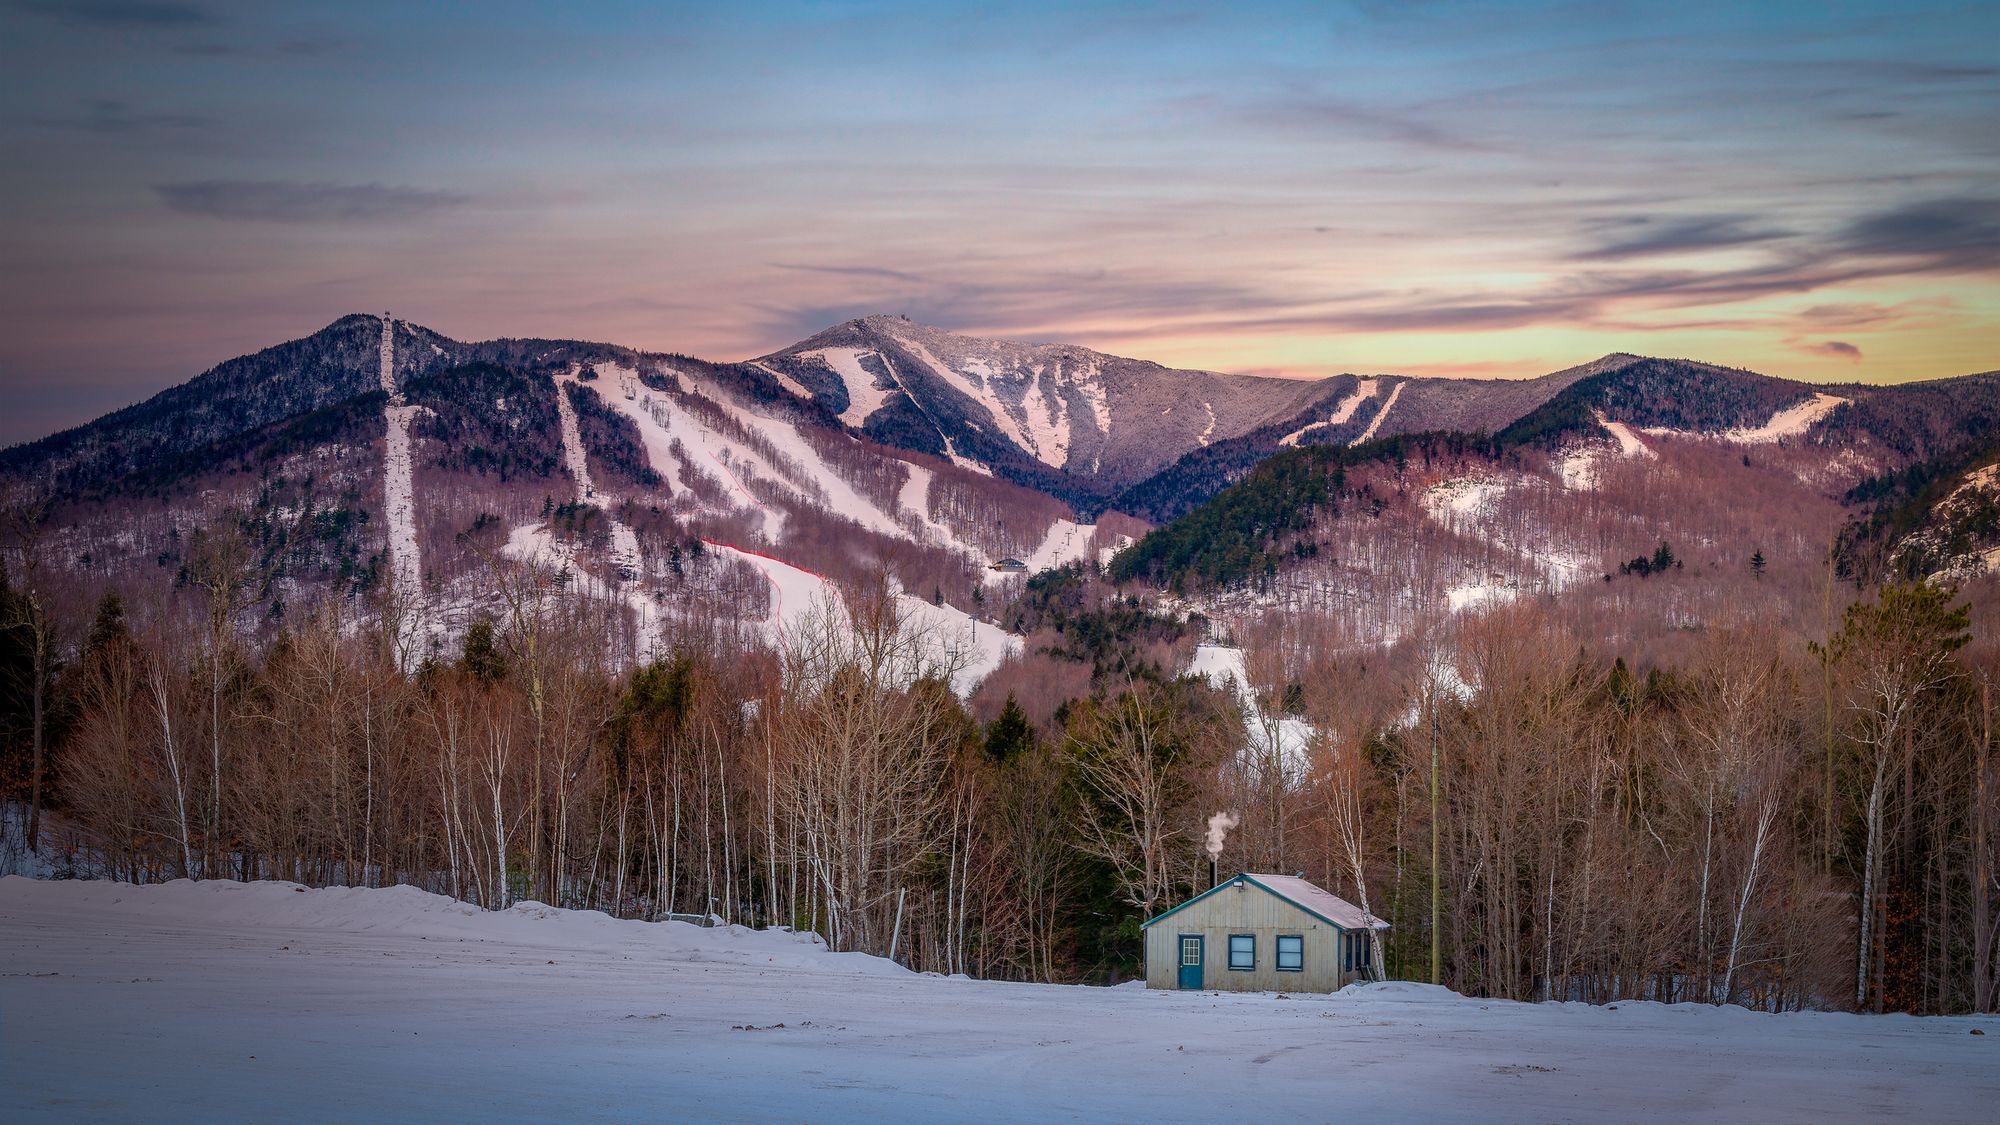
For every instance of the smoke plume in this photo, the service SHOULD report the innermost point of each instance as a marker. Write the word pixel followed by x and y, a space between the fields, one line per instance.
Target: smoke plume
pixel 1218 830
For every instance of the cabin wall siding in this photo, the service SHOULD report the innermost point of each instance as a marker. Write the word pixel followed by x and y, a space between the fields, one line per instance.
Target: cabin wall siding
pixel 1249 909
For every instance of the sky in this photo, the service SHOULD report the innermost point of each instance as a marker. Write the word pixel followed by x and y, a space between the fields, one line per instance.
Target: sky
pixel 1419 187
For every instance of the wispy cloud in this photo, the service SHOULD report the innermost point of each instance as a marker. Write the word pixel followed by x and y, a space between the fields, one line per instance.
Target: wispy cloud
pixel 288 202
pixel 138 14
pixel 109 117
pixel 1940 234
pixel 1648 237
pixel 289 48
pixel 1030 302
pixel 1838 348
pixel 1330 117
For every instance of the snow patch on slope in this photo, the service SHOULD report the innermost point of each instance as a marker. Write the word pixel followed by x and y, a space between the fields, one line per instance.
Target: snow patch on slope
pixel 978 390
pixel 1581 469
pixel 863 396
pixel 977 646
pixel 784 380
pixel 1792 421
pixel 1066 541
pixel 1279 738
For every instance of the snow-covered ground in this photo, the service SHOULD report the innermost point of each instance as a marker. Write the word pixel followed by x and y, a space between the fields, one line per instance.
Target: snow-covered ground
pixel 663 427
pixel 537 546
pixel 978 647
pixel 265 1002
pixel 1066 541
pixel 1581 469
pixel 1223 666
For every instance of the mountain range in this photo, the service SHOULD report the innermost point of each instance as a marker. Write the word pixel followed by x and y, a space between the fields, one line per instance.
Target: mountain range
pixel 379 456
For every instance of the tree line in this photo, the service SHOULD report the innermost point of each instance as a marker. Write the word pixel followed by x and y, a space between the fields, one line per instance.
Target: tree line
pixel 1765 822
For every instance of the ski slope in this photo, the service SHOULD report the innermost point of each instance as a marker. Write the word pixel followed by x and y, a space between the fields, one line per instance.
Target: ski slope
pixel 266 1002
pixel 625 555
pixel 1271 738
pixel 1364 390
pixel 975 646
pixel 406 562
pixel 1375 423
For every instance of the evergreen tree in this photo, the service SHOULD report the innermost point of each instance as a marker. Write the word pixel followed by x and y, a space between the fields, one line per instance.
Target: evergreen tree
pixel 483 658
pixel 1010 734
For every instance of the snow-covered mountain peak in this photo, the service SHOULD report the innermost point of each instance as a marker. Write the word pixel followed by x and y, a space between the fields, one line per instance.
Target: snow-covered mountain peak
pixel 1060 417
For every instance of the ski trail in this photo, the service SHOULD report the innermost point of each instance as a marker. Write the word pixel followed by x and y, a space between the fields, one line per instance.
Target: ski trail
pixel 626 559
pixel 915 498
pixel 661 424
pixel 406 564
pixel 1375 424
pixel 1629 444
pixel 784 380
pixel 950 450
pixel 1363 391
pixel 974 648
pixel 803 587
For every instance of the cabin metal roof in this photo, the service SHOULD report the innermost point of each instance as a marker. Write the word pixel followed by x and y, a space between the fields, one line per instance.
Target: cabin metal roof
pixel 1314 900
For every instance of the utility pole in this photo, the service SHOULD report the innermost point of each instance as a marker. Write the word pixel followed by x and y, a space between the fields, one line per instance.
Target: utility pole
pixel 1437 882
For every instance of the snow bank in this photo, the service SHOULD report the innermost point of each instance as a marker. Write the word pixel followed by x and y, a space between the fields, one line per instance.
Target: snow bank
pixel 410 913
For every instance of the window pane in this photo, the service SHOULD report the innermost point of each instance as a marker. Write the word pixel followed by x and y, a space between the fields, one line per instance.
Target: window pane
pixel 1190 951
pixel 1291 953
pixel 1242 951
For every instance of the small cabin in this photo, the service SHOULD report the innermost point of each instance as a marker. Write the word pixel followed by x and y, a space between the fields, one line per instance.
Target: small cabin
pixel 1262 933
pixel 1011 566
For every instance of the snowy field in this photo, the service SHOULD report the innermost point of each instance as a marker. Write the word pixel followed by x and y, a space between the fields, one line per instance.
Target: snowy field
pixel 264 1002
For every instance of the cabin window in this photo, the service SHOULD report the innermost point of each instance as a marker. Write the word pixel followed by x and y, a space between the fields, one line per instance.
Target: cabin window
pixel 1190 950
pixel 1291 953
pixel 1243 952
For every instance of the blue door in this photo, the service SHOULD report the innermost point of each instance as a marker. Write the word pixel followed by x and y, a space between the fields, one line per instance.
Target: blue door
pixel 1190 961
